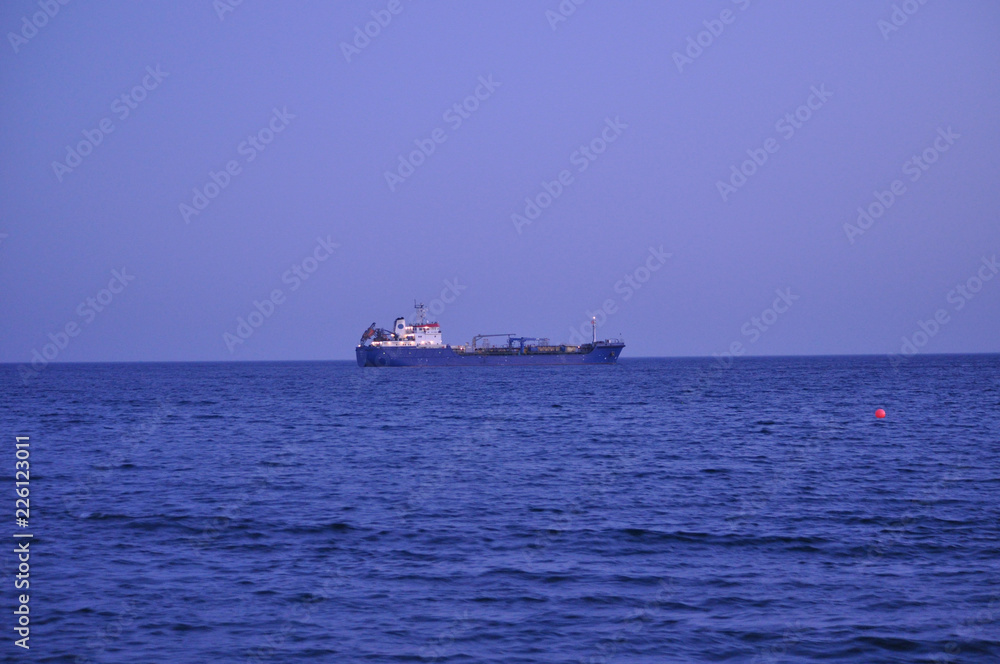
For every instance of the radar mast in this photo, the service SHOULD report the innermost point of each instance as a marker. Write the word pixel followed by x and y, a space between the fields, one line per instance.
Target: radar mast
pixel 421 313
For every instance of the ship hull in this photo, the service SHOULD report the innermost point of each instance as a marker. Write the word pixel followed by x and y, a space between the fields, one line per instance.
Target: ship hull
pixel 372 356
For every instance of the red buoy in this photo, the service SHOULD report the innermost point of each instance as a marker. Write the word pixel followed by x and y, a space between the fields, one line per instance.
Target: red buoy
pixel 880 413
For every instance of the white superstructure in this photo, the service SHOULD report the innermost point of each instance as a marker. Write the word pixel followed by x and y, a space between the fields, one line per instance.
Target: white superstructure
pixel 421 333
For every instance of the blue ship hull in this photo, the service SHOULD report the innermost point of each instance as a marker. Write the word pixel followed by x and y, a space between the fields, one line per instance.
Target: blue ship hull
pixel 403 356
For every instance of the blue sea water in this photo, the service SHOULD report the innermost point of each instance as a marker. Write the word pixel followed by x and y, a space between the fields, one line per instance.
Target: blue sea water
pixel 655 511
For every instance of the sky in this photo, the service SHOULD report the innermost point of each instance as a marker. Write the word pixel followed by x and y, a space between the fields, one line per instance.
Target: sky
pixel 217 181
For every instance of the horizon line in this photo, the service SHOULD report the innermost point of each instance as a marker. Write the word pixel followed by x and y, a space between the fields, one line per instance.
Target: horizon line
pixel 623 359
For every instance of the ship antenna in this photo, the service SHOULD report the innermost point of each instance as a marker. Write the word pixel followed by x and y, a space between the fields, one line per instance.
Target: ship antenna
pixel 593 324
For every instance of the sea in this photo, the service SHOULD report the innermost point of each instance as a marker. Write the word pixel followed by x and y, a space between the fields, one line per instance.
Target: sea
pixel 658 510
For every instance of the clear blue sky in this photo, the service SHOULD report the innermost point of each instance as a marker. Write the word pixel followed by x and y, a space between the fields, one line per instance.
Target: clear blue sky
pixel 309 118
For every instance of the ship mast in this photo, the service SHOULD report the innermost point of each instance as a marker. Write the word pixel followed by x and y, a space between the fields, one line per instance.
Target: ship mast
pixel 421 312
pixel 593 324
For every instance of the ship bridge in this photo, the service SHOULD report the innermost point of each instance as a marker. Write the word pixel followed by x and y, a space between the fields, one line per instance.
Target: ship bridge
pixel 421 333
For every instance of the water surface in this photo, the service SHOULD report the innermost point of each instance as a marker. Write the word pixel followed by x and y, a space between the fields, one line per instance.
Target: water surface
pixel 653 511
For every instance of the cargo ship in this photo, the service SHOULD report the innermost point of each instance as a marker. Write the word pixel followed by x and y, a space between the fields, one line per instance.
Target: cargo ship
pixel 420 345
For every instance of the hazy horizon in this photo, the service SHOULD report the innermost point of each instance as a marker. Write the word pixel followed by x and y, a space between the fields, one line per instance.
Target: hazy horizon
pixel 733 177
